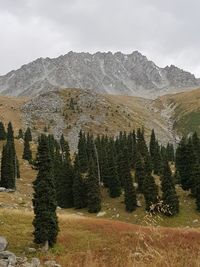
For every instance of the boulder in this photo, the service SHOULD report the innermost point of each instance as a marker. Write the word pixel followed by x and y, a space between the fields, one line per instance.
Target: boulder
pixel 3 243
pixel 3 263
pixel 7 255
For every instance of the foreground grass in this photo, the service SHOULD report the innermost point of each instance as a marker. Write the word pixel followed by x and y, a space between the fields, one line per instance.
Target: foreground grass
pixel 90 242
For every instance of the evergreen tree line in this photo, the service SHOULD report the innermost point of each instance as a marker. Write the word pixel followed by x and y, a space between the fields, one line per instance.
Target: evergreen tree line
pixel 188 166
pixel 121 164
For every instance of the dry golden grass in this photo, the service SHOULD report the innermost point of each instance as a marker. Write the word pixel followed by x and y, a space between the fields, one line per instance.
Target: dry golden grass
pixel 10 110
pixel 87 242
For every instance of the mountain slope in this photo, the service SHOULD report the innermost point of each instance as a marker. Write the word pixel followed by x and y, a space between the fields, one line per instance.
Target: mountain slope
pixel 184 110
pixel 116 73
pixel 71 110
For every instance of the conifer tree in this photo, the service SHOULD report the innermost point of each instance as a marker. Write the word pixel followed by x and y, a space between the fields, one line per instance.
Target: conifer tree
pixel 9 168
pixel 152 145
pixel 196 145
pixel 27 153
pixel 150 190
pixel 111 174
pixel 3 181
pixel 65 185
pixel 129 192
pixel 196 177
pixel 93 189
pixel 28 134
pixel 44 199
pixel 11 144
pixel 184 162
pixel 139 172
pixel 82 152
pixel 9 162
pixel 2 131
pixel 169 196
pixel 170 152
pixel 79 190
pixel 157 161
pixel 143 150
pixel 18 169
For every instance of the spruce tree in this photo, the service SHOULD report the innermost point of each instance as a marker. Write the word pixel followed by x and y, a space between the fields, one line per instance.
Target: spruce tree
pixel 27 153
pixel 196 177
pixel 2 131
pixel 65 184
pixel 150 190
pixel 3 181
pixel 196 145
pixel 44 198
pixel 169 196
pixel 93 189
pixel 129 190
pixel 157 161
pixel 139 172
pixel 79 190
pixel 152 145
pixel 11 144
pixel 184 162
pixel 111 175
pixel 82 152
pixel 170 152
pixel 28 134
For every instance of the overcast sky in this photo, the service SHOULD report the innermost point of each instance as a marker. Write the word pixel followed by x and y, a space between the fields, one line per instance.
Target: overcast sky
pixel 167 32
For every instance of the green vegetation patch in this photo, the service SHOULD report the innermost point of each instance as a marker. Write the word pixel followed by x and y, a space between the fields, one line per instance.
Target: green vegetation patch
pixel 189 123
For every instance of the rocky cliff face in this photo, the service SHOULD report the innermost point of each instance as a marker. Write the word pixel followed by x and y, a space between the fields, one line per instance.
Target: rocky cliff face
pixel 116 73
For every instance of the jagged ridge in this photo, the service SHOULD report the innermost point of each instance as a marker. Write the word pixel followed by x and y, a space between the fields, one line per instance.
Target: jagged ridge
pixel 116 73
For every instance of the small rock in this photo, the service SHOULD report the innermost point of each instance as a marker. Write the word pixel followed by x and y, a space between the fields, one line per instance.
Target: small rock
pixel 101 213
pixel 30 250
pixel 10 190
pixel 196 221
pixel 51 264
pixel 3 243
pixel 35 262
pixel 117 215
pixel 2 189
pixel 139 204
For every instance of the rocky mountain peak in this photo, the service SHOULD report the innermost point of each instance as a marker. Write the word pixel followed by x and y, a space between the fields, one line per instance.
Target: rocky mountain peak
pixel 113 73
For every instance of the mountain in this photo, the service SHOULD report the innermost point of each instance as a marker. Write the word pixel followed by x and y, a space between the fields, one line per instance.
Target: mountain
pixel 110 73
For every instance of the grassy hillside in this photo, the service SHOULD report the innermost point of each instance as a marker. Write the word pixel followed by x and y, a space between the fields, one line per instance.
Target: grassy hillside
pixel 186 113
pixel 114 208
pixel 70 110
pixel 89 242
